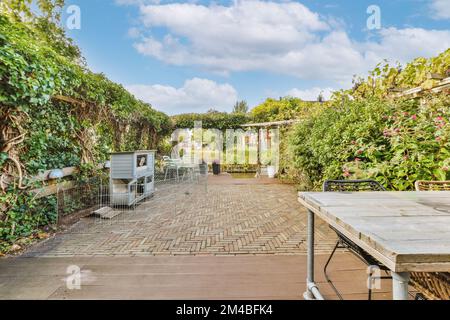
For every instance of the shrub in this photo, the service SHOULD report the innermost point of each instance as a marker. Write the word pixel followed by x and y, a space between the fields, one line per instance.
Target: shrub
pixel 211 120
pixel 395 143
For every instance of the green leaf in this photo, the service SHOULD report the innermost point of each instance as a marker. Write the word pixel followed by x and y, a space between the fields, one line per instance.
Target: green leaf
pixel 440 174
pixel 3 158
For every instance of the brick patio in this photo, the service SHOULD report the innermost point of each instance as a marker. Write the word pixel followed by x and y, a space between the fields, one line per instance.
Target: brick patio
pixel 243 239
pixel 233 217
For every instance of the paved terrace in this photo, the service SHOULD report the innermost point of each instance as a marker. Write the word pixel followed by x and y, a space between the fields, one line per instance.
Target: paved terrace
pixel 240 239
pixel 227 219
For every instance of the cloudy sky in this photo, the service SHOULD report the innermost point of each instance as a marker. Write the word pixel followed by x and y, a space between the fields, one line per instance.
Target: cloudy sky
pixel 191 56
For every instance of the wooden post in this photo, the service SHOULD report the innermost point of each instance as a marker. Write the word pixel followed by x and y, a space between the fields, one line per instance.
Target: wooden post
pixel 259 158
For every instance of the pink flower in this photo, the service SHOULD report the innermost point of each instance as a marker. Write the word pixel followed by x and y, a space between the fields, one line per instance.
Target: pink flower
pixel 357 159
pixel 414 117
pixel 438 138
pixel 346 174
pixel 440 123
pixel 359 151
pixel 445 168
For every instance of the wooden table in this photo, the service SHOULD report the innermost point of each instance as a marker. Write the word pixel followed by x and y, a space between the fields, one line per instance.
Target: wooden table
pixel 406 231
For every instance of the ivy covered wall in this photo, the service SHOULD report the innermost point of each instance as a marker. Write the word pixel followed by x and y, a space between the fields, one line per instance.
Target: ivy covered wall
pixel 56 113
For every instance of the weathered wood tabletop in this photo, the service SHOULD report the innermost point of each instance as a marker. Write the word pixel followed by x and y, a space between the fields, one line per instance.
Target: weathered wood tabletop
pixel 406 231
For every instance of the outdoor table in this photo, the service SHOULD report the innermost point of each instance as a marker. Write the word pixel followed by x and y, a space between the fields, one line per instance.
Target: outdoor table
pixel 406 231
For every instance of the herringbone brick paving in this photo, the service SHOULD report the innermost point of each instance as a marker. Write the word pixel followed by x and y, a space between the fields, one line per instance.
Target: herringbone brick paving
pixel 226 220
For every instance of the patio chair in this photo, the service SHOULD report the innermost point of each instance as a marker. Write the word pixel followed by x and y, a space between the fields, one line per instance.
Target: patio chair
pixel 344 242
pixel 431 285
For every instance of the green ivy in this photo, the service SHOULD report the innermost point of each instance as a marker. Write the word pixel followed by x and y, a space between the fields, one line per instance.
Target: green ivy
pixel 38 63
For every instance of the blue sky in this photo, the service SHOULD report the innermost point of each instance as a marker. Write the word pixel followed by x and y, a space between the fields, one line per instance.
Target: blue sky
pixel 190 56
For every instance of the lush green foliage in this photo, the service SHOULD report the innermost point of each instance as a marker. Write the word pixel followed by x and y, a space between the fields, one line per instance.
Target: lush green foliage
pixel 364 134
pixel 211 120
pixel 286 108
pixel 38 64
pixel 24 216
pixel 240 107
pixel 31 72
pixel 385 79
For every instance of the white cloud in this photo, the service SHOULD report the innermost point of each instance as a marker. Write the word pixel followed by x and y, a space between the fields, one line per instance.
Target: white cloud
pixel 407 44
pixel 440 9
pixel 311 94
pixel 196 95
pixel 280 37
pixel 134 32
pixel 136 2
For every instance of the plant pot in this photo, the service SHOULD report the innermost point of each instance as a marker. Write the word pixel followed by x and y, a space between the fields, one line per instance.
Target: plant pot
pixel 271 171
pixel 203 168
pixel 216 168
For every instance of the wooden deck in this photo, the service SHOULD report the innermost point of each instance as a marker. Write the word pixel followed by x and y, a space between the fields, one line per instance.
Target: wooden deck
pixel 182 277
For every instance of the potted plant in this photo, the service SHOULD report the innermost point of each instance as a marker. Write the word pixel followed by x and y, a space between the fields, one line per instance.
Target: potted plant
pixel 267 159
pixel 216 167
pixel 271 170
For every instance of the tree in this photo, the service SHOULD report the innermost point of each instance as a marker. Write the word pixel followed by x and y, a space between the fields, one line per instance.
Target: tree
pixel 45 17
pixel 240 107
pixel 23 9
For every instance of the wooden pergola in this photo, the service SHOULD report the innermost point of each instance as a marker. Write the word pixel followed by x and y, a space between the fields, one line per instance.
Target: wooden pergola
pixel 269 124
pixel 266 125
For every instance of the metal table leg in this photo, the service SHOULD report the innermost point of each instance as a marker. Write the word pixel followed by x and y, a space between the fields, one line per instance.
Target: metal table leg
pixel 312 292
pixel 400 281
